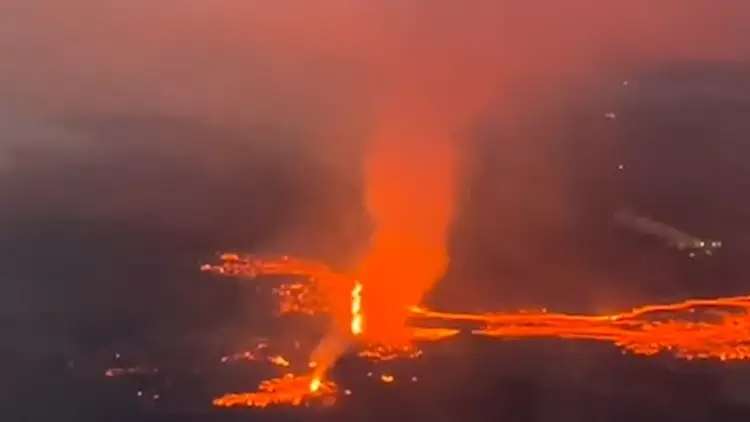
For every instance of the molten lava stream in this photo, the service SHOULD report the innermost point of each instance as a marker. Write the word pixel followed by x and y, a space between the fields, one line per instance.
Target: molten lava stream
pixel 693 329
pixel 722 333
pixel 289 389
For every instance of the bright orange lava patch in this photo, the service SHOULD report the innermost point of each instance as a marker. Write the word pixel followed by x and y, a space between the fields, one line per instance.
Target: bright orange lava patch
pixel 694 329
pixel 289 390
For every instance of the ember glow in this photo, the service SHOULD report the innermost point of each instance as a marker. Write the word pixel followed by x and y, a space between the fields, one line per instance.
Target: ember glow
pixel 693 329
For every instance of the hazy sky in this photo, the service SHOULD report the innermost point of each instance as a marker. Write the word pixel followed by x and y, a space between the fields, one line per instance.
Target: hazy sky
pixel 320 69
pixel 213 112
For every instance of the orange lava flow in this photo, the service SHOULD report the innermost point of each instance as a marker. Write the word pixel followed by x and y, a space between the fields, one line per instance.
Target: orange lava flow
pixel 324 295
pixel 259 353
pixel 253 266
pixel 693 329
pixel 289 389
pixel 327 293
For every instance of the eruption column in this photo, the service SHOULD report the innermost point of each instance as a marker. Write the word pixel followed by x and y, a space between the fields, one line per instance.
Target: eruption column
pixel 410 177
